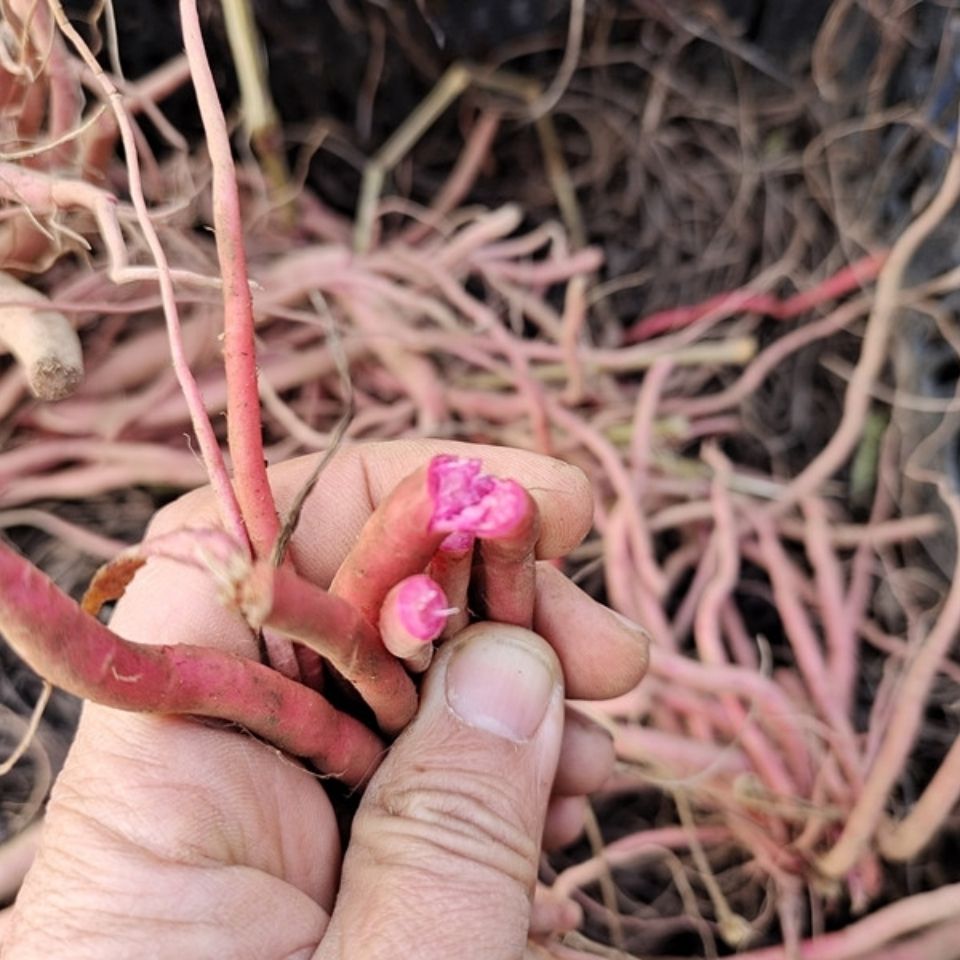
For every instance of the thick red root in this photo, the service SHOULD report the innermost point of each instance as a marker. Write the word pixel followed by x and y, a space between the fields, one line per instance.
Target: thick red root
pixel 396 542
pixel 450 496
pixel 413 616
pixel 77 653
pixel 333 628
pixel 451 568
pixel 506 571
pixel 504 517
pixel 468 501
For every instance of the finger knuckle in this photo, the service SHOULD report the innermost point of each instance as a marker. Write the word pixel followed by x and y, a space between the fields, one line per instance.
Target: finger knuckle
pixel 463 817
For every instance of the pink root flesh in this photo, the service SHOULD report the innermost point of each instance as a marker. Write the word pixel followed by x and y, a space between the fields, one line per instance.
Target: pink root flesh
pixel 423 608
pixel 468 501
pixel 458 542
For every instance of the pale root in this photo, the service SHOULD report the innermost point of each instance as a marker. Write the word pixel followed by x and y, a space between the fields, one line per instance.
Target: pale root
pixel 42 340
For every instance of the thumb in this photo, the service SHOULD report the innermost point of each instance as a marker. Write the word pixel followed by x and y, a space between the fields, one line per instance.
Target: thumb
pixel 445 847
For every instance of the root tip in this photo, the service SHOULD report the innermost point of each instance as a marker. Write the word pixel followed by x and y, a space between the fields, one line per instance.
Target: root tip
pixel 51 379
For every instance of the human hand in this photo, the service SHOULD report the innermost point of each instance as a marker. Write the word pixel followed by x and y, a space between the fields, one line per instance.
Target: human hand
pixel 169 838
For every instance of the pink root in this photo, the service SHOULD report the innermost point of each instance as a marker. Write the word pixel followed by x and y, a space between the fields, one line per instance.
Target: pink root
pixel 466 500
pixel 460 541
pixel 413 615
pixel 74 651
pixel 451 568
pixel 422 607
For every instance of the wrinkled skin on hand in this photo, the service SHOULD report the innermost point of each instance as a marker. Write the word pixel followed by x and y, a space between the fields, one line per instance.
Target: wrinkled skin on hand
pixel 166 837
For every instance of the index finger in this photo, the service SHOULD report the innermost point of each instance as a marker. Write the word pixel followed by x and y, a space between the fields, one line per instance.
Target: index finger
pixel 360 477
